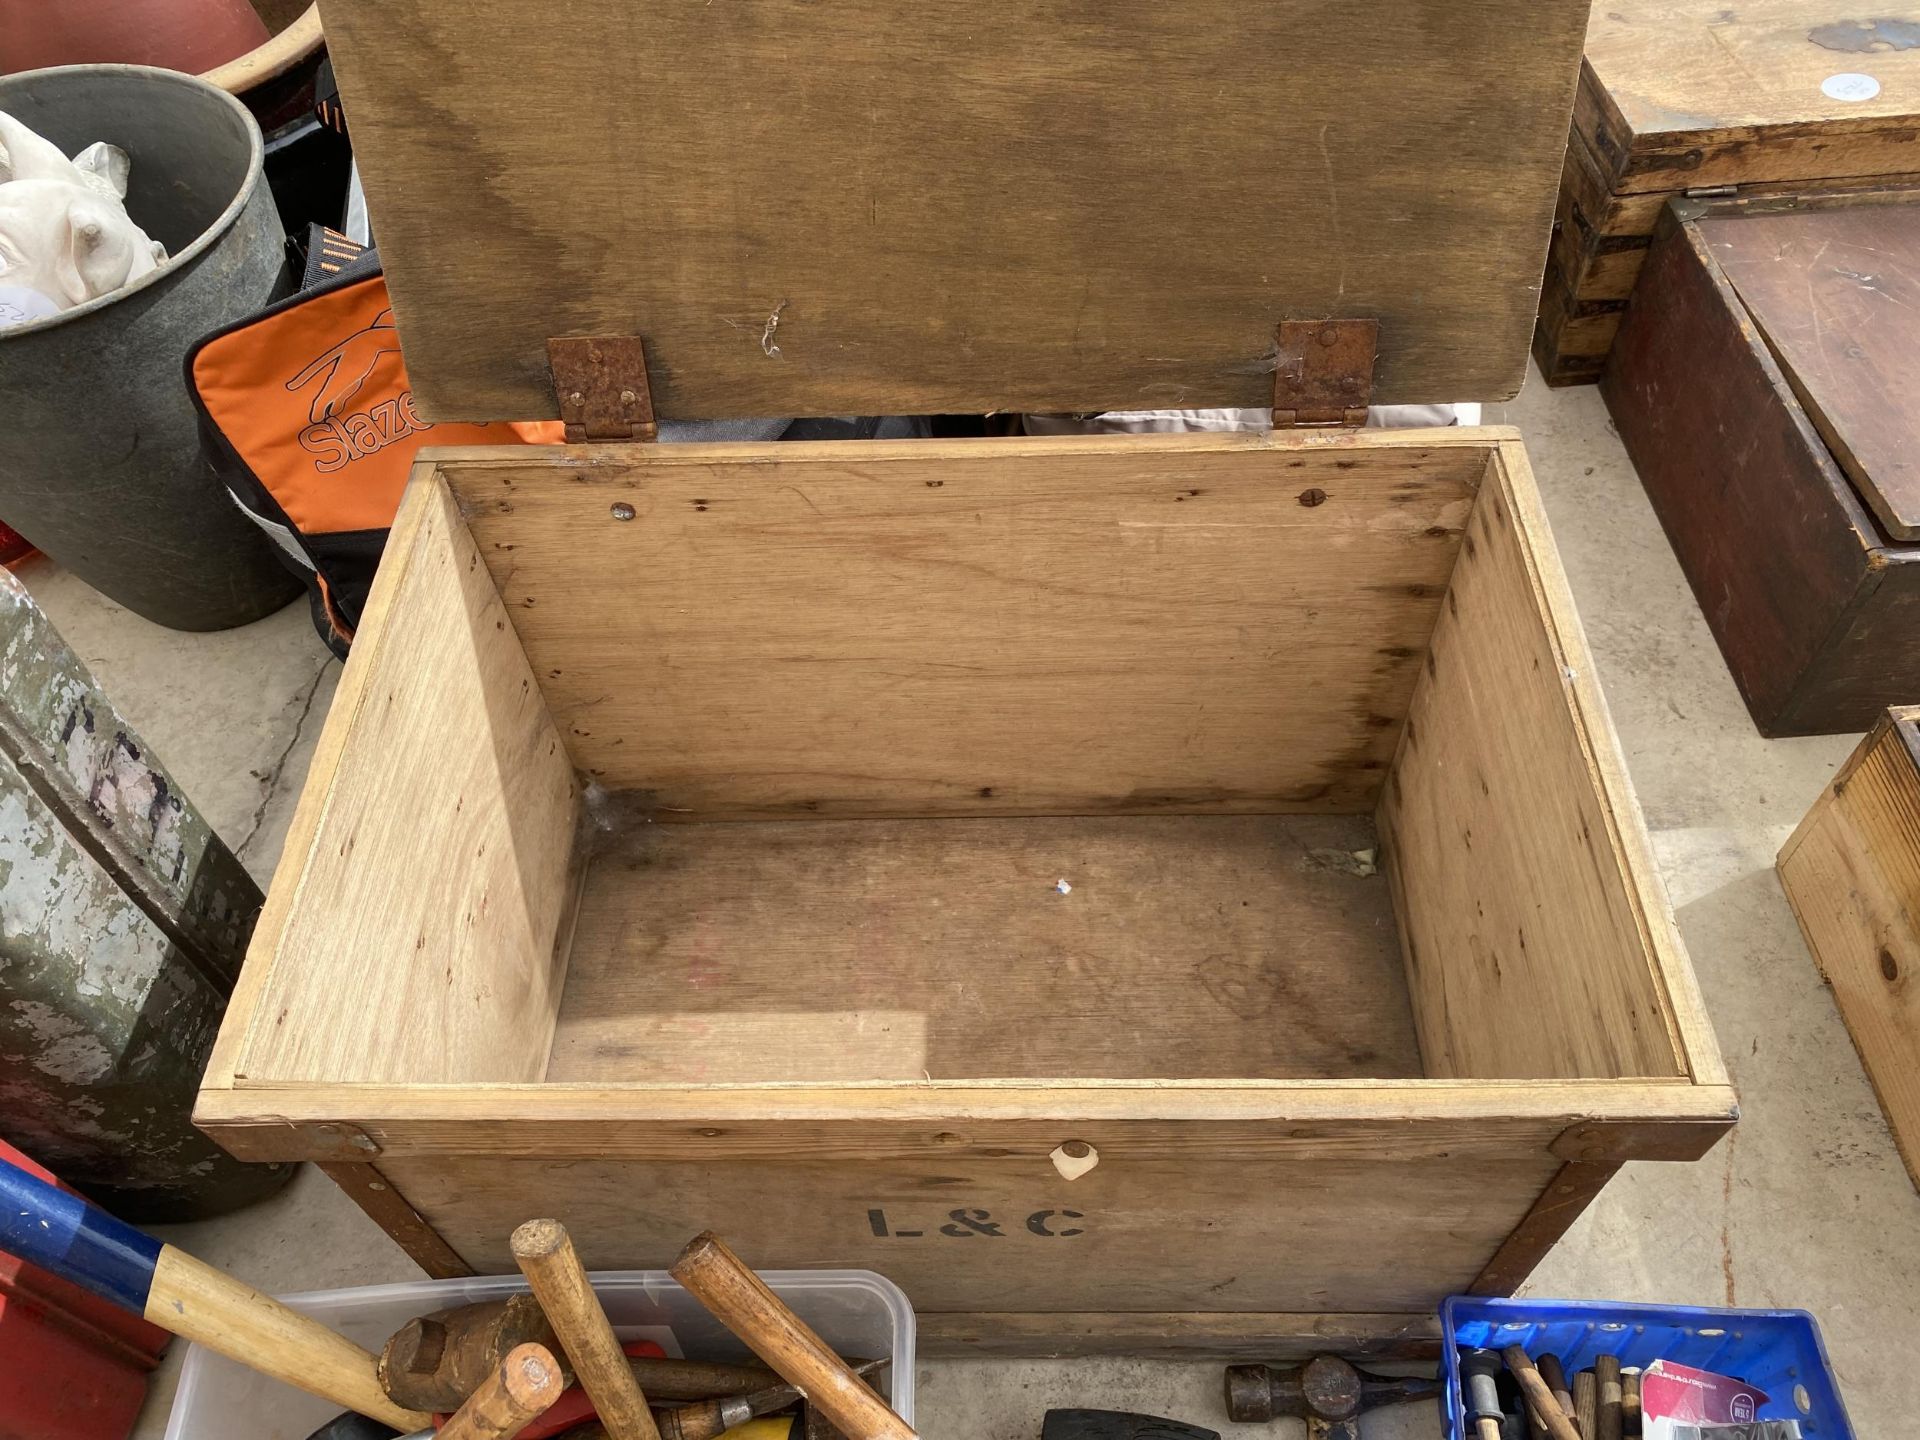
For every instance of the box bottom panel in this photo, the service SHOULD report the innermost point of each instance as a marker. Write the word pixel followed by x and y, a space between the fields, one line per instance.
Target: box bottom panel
pixel 1161 947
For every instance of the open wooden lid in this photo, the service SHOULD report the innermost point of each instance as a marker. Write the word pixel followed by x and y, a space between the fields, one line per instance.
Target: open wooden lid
pixel 866 206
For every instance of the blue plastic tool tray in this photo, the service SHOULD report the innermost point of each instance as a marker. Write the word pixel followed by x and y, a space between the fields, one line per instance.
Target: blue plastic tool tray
pixel 1778 1350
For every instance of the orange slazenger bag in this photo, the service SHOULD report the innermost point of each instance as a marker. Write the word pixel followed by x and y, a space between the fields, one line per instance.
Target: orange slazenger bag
pixel 309 421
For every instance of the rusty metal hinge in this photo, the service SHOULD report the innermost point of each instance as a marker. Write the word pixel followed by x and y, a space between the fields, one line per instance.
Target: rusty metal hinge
pixel 600 382
pixel 1711 192
pixel 1323 372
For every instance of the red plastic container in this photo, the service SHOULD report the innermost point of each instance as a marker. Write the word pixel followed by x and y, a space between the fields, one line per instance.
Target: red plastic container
pixel 72 1367
pixel 189 35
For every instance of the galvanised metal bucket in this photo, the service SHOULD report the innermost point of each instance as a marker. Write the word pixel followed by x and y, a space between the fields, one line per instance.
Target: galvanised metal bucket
pixel 100 456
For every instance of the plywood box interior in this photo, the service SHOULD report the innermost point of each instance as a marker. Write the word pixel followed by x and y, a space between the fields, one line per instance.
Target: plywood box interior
pixel 808 840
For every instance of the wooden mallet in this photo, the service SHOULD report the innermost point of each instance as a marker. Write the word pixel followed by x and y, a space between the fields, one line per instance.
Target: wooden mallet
pixel 519 1391
pixel 722 1282
pixel 547 1258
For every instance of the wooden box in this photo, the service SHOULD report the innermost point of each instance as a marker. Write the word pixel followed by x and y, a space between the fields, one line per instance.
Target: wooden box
pixel 1852 872
pixel 1135 892
pixel 1696 98
pixel 1853 876
pixel 1763 385
pixel 815 854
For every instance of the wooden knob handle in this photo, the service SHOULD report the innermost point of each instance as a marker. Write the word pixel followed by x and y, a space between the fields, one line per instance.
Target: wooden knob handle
pixel 516 1394
pixel 719 1280
pixel 547 1258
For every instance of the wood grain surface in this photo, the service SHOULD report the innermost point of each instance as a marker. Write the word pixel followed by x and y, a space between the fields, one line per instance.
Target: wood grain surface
pixel 1677 94
pixel 833 952
pixel 436 879
pixel 1521 868
pixel 1230 1232
pixel 1835 292
pixel 867 207
pixel 1592 1121
pixel 1852 873
pixel 1207 1336
pixel 1775 543
pixel 1146 624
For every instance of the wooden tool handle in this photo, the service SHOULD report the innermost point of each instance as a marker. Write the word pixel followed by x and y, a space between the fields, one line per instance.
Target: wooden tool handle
pixel 1607 1418
pixel 1539 1398
pixel 210 1308
pixel 547 1258
pixel 1586 1404
pixel 1556 1378
pixel 718 1279
pixel 516 1394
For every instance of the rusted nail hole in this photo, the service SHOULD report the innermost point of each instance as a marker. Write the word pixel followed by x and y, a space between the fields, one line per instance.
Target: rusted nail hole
pixel 1311 498
pixel 1889 966
pixel 620 510
pixel 711 1133
pixel 947 1137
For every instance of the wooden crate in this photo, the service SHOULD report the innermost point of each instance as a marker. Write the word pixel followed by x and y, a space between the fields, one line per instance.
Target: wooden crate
pixel 1852 871
pixel 700 870
pixel 1762 384
pixel 839 844
pixel 1688 97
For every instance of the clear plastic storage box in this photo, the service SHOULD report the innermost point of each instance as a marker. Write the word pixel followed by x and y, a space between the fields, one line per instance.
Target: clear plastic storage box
pixel 855 1311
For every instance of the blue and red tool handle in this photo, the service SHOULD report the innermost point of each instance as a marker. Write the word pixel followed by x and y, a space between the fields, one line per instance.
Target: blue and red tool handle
pixel 66 1236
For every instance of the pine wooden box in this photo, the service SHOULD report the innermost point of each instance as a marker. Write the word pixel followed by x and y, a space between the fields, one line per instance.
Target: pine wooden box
pixel 840 845
pixel 596 906
pixel 1852 874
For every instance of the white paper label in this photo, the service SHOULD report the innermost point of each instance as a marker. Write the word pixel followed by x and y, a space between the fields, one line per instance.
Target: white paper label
pixel 1850 86
pixel 18 305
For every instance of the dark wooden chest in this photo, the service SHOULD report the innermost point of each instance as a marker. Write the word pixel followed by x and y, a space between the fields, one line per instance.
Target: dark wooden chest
pixel 1763 382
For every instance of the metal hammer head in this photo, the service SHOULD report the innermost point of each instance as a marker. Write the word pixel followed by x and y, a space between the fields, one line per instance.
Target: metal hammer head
pixel 1325 1388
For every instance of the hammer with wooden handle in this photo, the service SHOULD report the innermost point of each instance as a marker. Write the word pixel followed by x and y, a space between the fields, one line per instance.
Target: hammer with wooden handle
pixel 434 1361
pixel 1480 1375
pixel 546 1257
pixel 1326 1392
pixel 66 1236
pixel 718 1279
pixel 520 1390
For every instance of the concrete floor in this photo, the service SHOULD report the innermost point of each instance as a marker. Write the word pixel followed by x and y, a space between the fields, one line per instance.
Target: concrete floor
pixel 1806 1206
